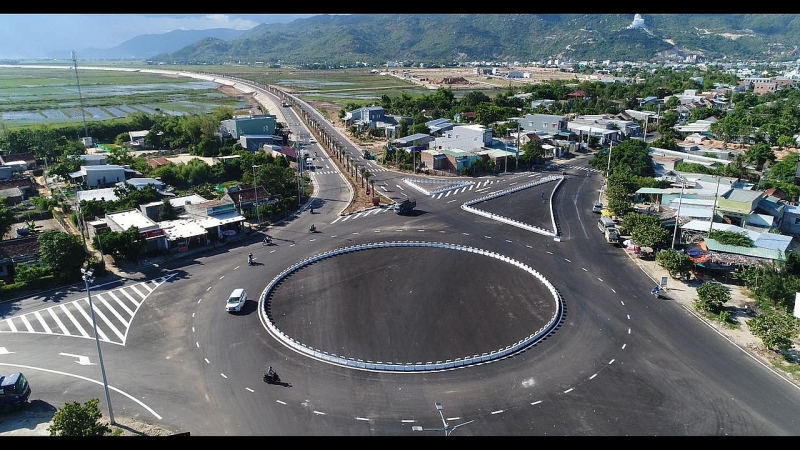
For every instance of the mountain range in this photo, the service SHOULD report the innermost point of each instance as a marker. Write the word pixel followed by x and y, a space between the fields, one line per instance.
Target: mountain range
pixel 149 45
pixel 444 39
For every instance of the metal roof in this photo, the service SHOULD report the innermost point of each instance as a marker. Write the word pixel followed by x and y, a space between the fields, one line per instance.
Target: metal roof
pixel 756 252
pixel 744 195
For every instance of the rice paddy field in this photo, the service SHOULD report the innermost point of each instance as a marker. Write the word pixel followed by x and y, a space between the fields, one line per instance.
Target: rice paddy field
pixel 57 95
pixel 31 96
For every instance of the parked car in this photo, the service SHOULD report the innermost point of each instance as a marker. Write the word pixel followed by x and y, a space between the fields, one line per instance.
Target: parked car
pixel 236 300
pixel 14 390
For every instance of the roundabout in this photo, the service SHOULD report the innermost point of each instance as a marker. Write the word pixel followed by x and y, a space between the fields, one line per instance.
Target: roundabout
pixel 344 309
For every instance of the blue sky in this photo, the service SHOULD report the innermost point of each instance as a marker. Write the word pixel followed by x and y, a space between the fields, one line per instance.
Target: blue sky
pixel 38 35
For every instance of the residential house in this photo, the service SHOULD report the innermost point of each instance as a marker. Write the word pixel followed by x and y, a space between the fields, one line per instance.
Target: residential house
pixel 375 117
pixel 760 85
pixel 244 196
pixel 791 220
pixel 95 159
pixel 417 139
pixel 136 138
pixel 451 160
pixel 153 210
pixel 555 125
pixel 465 137
pixel 735 206
pixel 100 195
pixel 142 182
pixel 155 238
pixel 159 161
pixel 16 251
pixel 15 191
pixel 22 161
pixel 438 126
pixel 219 217
pixel 102 176
pixel 664 160
pixel 251 125
pixel 256 142
pixel 603 127
pixel 368 115
pixel 544 103
pixel 702 126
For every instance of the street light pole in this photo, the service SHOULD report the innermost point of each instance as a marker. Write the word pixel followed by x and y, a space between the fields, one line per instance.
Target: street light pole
pixel 88 277
pixel 516 162
pixel 255 189
pixel 446 428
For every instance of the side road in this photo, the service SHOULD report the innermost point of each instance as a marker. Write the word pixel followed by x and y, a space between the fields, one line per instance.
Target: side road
pixel 740 306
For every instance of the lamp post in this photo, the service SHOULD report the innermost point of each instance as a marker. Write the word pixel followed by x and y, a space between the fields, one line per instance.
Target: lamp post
pixel 516 162
pixel 446 428
pixel 88 277
pixel 255 189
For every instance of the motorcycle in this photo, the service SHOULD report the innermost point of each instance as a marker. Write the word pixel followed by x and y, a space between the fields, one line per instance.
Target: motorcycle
pixel 267 241
pixel 271 378
pixel 313 229
pixel 249 260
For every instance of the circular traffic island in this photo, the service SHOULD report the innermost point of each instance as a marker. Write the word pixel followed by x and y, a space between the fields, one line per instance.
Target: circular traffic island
pixel 411 306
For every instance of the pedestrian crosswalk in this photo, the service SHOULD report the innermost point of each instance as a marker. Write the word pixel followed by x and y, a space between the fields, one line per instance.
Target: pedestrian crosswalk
pixel 114 311
pixel 458 189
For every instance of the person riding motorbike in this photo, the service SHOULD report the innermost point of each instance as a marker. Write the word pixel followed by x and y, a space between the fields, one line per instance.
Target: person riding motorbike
pixel 313 228
pixel 655 291
pixel 250 259
pixel 267 240
pixel 312 210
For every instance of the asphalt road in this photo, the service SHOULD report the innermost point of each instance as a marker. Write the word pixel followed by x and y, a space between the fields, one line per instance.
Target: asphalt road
pixel 617 364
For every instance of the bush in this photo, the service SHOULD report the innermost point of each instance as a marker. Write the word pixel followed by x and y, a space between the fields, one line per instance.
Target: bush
pixel 74 419
pixel 712 296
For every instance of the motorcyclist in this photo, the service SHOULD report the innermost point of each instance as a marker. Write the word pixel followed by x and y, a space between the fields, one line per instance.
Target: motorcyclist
pixel 313 228
pixel 312 210
pixel 655 290
pixel 250 259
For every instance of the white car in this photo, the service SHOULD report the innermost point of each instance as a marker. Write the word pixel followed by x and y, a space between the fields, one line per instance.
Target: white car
pixel 236 300
pixel 598 207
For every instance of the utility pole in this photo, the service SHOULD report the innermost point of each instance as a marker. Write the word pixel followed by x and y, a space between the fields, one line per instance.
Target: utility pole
pixel 714 208
pixel 678 216
pixel 255 190
pixel 80 96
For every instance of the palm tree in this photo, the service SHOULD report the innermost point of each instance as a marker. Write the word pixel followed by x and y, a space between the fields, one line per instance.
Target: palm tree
pixel 364 175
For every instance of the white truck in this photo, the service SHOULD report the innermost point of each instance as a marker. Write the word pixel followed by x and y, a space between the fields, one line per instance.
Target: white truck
pixel 612 235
